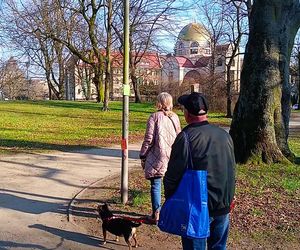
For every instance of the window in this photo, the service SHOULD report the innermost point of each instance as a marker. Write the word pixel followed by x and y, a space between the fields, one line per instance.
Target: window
pixel 180 46
pixel 219 62
pixel 231 73
pixel 170 76
pixel 194 45
pixel 194 48
pixel 194 51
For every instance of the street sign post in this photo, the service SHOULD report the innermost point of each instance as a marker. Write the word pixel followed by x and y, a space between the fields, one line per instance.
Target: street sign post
pixel 126 93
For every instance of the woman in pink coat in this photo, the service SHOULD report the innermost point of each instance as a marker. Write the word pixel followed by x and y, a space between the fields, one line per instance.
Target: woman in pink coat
pixel 162 129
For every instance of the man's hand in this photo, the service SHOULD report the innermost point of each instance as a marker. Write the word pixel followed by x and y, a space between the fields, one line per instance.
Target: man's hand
pixel 143 163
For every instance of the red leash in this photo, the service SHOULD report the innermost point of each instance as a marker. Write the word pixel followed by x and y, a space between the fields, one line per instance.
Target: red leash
pixel 138 220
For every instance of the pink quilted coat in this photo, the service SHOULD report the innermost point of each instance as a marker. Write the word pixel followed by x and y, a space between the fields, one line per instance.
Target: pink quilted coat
pixel 159 138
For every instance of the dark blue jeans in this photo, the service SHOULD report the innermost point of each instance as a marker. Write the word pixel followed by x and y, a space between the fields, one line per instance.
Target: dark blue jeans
pixel 155 194
pixel 219 227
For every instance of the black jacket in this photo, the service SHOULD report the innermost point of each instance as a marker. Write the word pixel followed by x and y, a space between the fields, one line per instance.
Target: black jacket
pixel 211 149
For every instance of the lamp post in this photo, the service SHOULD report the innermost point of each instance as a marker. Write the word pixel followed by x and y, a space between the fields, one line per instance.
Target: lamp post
pixel 126 93
pixel 27 64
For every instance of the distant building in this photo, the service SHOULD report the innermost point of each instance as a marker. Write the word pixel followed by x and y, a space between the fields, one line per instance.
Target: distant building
pixel 193 61
pixel 189 68
pixel 78 78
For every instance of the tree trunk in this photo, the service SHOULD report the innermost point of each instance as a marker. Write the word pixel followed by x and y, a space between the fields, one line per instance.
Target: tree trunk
pixel 228 90
pixel 297 98
pixel 299 93
pixel 229 99
pixel 52 89
pixel 108 78
pixel 135 84
pixel 98 82
pixel 261 115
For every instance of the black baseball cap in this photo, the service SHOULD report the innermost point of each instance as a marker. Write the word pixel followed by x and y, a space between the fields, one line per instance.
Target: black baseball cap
pixel 195 103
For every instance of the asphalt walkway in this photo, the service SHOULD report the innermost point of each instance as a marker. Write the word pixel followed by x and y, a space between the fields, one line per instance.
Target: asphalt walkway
pixel 35 192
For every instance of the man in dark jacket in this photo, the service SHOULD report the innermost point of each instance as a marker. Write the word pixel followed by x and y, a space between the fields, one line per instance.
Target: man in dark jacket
pixel 211 149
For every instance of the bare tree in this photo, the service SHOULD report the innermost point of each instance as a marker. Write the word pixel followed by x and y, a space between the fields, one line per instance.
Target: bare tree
pixel 147 17
pixel 20 24
pixel 13 83
pixel 235 30
pixel 295 72
pixel 108 70
pixel 85 75
pixel 77 17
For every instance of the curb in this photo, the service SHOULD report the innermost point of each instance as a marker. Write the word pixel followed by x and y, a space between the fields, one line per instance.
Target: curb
pixel 77 196
pixel 80 194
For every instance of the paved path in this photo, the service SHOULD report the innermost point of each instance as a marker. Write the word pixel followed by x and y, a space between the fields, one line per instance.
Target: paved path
pixel 295 120
pixel 35 190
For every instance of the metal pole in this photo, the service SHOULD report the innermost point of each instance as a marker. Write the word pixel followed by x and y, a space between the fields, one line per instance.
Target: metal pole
pixel 126 93
pixel 27 76
pixel 298 80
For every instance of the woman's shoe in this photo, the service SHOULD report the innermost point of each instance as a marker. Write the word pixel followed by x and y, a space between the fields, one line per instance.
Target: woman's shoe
pixel 150 220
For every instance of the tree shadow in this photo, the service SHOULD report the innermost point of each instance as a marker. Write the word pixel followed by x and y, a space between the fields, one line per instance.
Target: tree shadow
pixel 92 106
pixel 35 145
pixel 48 173
pixel 4 245
pixel 72 236
pixel 90 150
pixel 11 199
pixel 82 209
pixel 30 206
pixel 297 160
pixel 70 104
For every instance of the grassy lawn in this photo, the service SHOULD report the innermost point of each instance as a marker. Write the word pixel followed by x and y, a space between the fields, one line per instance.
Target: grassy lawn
pixel 40 125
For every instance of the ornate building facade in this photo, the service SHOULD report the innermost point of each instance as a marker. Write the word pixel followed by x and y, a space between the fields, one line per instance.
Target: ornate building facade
pixel 193 66
pixel 196 66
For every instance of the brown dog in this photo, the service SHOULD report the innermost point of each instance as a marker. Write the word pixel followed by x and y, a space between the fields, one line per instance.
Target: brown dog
pixel 117 226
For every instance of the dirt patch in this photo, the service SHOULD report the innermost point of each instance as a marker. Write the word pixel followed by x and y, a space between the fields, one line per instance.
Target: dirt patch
pixel 256 223
pixel 84 214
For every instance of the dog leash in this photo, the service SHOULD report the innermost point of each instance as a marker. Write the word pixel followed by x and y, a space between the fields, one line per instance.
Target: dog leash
pixel 138 220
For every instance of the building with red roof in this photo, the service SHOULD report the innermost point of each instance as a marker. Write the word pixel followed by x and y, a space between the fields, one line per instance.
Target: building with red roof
pixel 192 65
pixel 79 85
pixel 189 68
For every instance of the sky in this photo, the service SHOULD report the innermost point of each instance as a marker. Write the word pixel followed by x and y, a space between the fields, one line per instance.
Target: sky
pixel 180 20
pixel 166 40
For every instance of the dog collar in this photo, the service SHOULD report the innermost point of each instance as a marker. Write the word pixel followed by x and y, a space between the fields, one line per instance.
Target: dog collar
pixel 110 218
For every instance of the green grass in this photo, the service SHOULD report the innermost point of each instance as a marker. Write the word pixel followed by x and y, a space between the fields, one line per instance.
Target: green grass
pixel 58 124
pixel 261 177
pixel 139 197
pixel 294 143
pixel 40 125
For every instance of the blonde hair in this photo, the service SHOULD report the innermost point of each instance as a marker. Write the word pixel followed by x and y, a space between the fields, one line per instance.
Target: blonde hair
pixel 164 102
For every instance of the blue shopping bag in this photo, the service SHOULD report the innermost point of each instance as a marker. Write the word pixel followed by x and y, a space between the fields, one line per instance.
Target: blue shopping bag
pixel 185 213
